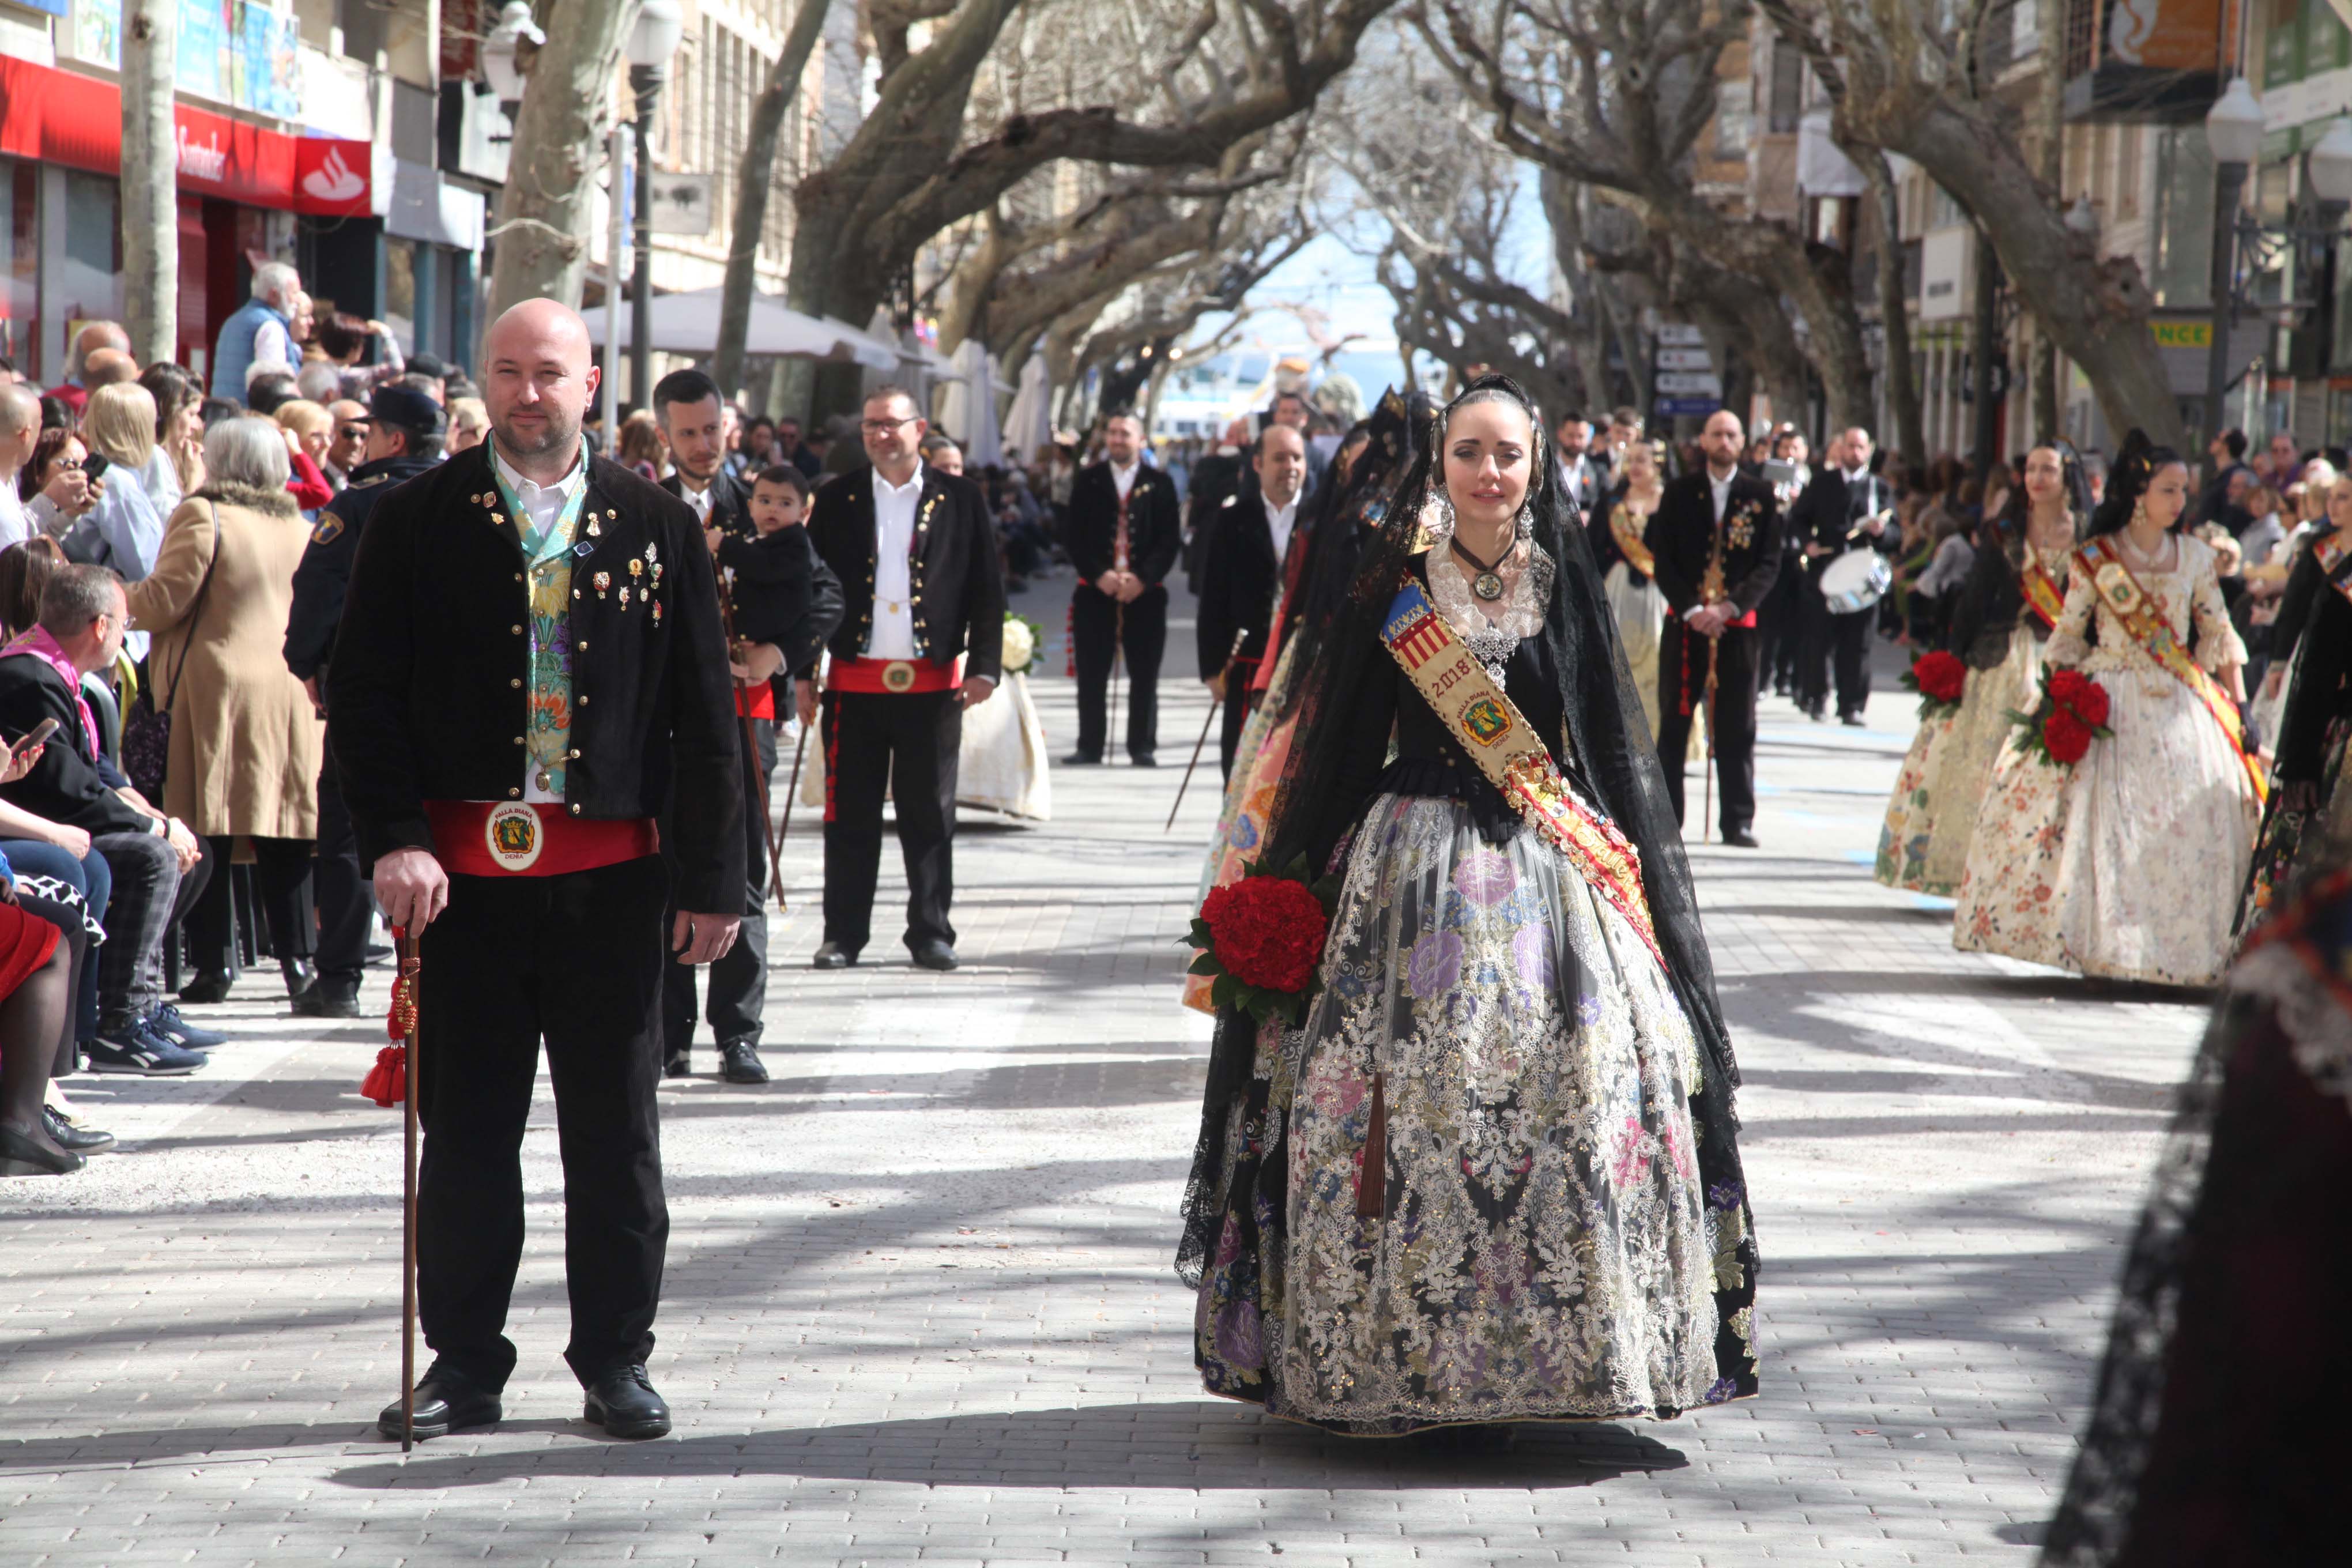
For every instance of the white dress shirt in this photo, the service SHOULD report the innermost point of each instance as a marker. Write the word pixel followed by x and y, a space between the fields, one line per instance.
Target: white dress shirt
pixel 1279 519
pixel 700 499
pixel 1123 479
pixel 893 636
pixel 1720 490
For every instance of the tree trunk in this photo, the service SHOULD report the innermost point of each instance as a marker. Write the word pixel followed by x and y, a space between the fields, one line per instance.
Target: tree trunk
pixel 151 183
pixel 2049 118
pixel 559 140
pixel 754 179
pixel 1902 380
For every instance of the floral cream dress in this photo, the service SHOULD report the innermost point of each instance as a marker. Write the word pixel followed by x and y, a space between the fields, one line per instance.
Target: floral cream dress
pixel 2129 864
pixel 1554 1241
pixel 1932 814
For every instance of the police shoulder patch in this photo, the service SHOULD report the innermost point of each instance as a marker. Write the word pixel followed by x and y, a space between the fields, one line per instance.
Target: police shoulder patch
pixel 330 528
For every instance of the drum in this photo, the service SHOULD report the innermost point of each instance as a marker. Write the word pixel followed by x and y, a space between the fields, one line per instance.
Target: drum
pixel 1855 581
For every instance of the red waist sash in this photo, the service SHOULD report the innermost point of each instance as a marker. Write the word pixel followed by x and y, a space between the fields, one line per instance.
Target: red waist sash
pixel 755 701
pixel 515 838
pixel 893 677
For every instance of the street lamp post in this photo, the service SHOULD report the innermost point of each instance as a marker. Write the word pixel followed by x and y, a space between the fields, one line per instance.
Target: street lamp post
pixel 653 39
pixel 2233 130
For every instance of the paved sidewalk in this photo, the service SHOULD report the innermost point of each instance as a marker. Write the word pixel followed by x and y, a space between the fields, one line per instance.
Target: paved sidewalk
pixel 920 1306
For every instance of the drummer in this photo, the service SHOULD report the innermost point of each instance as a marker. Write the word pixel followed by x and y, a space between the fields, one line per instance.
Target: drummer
pixel 1845 512
pixel 1715 536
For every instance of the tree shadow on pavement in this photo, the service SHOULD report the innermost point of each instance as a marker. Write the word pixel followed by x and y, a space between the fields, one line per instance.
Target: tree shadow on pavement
pixel 1190 1444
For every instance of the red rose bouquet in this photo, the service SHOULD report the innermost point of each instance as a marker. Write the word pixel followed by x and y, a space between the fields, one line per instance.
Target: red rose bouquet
pixel 1261 940
pixel 1939 678
pixel 2073 709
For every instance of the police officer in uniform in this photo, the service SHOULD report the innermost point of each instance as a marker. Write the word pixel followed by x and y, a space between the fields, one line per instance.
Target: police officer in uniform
pixel 1125 531
pixel 404 433
pixel 531 666
pixel 1716 538
pixel 921 640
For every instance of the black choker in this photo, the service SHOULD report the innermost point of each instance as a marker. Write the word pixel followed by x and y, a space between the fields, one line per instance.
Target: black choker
pixel 1487 586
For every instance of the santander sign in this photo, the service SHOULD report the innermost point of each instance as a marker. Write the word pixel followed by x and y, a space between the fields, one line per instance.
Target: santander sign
pixel 206 161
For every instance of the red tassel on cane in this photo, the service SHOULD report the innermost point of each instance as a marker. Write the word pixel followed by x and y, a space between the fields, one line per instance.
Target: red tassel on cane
pixel 387 1081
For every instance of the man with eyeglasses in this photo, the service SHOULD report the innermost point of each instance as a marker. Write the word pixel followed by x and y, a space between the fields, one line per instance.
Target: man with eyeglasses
pixel 921 640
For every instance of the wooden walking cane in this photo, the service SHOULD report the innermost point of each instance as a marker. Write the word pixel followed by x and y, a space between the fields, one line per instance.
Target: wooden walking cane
pixel 404 1018
pixel 751 741
pixel 1239 637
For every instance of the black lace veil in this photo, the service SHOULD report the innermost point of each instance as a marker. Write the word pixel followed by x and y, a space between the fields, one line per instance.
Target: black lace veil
pixel 1608 742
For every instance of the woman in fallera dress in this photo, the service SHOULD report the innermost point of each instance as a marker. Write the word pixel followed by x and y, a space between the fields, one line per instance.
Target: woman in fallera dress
pixel 1628 574
pixel 2312 645
pixel 2128 864
pixel 1494 1176
pixel 2015 589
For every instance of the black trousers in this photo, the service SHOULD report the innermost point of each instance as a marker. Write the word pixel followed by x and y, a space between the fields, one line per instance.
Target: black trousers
pixel 1840 640
pixel 282 875
pixel 346 903
pixel 1781 625
pixel 1734 716
pixel 576 961
pixel 1095 625
pixel 909 743
pixel 739 981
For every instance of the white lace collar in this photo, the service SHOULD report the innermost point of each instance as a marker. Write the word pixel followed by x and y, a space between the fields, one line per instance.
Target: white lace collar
pixel 1526 571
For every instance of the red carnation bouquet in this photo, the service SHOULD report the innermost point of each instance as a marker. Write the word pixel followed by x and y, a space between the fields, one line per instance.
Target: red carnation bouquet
pixel 2073 708
pixel 1939 678
pixel 1261 939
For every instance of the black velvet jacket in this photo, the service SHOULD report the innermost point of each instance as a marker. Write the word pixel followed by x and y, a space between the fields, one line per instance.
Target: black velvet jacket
pixel 1681 536
pixel 957 577
pixel 1238 582
pixel 1155 525
pixel 1825 513
pixel 783 595
pixel 1430 759
pixel 429 686
pixel 2320 674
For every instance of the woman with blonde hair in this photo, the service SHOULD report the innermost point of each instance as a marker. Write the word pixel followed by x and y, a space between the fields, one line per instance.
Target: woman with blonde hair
pixel 123 530
pixel 246 740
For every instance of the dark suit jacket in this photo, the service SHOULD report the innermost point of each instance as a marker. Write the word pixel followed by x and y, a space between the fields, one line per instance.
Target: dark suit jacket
pixel 70 783
pixel 730 501
pixel 1155 527
pixel 1238 580
pixel 1828 508
pixel 957 577
pixel 1681 537
pixel 429 686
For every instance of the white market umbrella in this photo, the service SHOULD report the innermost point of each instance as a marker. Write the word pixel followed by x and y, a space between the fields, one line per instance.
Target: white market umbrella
pixel 1030 423
pixel 688 323
pixel 968 410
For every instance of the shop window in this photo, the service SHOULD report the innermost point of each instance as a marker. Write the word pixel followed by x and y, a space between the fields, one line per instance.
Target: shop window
pixel 91 289
pixel 20 266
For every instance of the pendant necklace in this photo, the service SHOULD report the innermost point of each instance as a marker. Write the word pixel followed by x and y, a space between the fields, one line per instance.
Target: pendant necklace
pixel 1488 584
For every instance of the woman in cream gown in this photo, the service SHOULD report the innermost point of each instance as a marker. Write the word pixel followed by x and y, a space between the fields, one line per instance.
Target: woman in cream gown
pixel 1998 629
pixel 2129 864
pixel 1616 527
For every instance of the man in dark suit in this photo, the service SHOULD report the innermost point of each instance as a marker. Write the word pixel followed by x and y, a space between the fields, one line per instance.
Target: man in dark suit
pixel 689 413
pixel 1241 573
pixel 1584 479
pixel 1716 538
pixel 1125 532
pixel 922 638
pixel 1845 506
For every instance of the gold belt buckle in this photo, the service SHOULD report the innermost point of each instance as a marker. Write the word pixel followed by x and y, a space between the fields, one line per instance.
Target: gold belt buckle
pixel 899 676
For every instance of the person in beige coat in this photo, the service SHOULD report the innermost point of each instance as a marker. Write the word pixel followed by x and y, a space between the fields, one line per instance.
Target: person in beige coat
pixel 246 739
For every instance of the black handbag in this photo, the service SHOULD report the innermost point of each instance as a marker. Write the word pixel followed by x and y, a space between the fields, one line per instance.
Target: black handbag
pixel 147 729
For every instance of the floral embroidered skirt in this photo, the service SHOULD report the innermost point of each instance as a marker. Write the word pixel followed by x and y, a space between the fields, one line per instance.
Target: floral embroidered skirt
pixel 2293 842
pixel 1548 1237
pixel 1932 814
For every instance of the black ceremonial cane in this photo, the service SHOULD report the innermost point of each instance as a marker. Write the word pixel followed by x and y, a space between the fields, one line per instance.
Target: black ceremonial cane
pixel 1239 637
pixel 403 1011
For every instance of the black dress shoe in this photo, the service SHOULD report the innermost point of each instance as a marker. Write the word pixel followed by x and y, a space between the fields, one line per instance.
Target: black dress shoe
pixel 329 999
pixel 739 1062
pixel 206 988
pixel 1080 760
pixel 833 955
pixel 933 953
pixel 1739 838
pixel 624 1402
pixel 24 1155
pixel 447 1402
pixel 1851 721
pixel 1143 760
pixel 678 1064
pixel 300 976
pixel 67 1134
